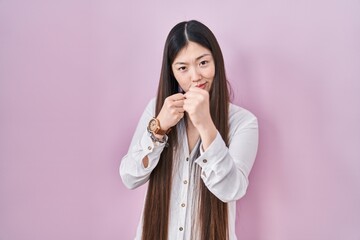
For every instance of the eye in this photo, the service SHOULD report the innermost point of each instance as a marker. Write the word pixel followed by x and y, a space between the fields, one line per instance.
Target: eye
pixel 181 69
pixel 204 63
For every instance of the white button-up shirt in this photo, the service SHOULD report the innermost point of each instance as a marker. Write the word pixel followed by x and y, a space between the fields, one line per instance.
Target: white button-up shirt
pixel 224 170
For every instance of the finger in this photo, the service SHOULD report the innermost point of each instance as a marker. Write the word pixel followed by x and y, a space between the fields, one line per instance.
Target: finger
pixel 177 96
pixel 191 99
pixel 178 103
pixel 187 106
pixel 193 93
pixel 180 115
pixel 188 101
pixel 197 95
pixel 188 94
pixel 180 110
pixel 196 90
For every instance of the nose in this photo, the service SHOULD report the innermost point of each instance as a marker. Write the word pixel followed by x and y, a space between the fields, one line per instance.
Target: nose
pixel 195 75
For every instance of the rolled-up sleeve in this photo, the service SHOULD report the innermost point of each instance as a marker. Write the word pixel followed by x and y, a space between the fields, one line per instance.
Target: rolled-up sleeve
pixel 225 170
pixel 132 170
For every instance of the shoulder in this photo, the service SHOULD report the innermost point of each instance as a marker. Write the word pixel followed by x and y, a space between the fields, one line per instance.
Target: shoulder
pixel 240 117
pixel 152 102
pixel 150 107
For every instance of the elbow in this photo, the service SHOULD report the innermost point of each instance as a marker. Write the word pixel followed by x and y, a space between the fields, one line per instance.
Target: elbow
pixel 233 197
pixel 128 182
pixel 241 190
pixel 130 186
pixel 241 194
pixel 131 178
pixel 229 192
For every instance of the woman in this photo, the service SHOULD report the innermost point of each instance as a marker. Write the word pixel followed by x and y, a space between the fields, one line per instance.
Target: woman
pixel 194 147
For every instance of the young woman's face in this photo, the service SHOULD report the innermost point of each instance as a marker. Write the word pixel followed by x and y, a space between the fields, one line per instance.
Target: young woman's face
pixel 194 66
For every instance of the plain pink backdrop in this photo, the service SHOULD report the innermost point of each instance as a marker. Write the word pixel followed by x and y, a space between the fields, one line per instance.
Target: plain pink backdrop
pixel 75 77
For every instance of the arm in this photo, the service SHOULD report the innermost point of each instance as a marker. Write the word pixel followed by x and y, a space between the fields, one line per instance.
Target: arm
pixel 132 170
pixel 225 170
pixel 143 155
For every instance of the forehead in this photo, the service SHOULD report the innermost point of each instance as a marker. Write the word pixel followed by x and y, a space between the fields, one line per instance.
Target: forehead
pixel 191 52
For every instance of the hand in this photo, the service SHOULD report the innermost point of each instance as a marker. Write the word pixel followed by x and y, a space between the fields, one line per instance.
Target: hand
pixel 196 104
pixel 172 111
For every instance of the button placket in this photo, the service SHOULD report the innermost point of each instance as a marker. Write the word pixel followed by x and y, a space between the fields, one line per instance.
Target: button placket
pixel 183 198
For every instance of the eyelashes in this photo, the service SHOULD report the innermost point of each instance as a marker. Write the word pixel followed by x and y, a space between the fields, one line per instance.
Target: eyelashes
pixel 203 63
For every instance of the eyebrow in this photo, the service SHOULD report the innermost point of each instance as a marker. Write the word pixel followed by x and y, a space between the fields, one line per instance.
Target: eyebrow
pixel 201 56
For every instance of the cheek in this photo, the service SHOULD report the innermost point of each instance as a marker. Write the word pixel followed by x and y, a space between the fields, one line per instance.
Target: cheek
pixel 180 78
pixel 209 73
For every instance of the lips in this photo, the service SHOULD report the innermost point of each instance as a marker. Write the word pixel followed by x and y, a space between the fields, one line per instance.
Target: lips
pixel 202 86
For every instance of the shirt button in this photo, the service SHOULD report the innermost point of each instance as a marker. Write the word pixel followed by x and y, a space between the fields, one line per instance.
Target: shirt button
pixel 204 161
pixel 180 228
pixel 185 182
pixel 183 204
pixel 149 147
pixel 187 159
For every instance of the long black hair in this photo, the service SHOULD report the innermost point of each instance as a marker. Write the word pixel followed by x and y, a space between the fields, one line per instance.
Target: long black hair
pixel 212 218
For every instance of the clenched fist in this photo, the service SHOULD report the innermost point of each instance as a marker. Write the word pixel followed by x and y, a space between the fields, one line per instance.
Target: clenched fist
pixel 196 104
pixel 172 111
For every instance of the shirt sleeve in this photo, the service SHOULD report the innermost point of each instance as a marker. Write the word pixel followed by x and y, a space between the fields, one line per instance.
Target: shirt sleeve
pixel 225 170
pixel 132 171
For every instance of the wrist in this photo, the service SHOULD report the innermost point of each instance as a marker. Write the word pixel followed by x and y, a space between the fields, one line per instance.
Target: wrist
pixel 205 126
pixel 154 126
pixel 157 138
pixel 209 129
pixel 162 123
pixel 207 133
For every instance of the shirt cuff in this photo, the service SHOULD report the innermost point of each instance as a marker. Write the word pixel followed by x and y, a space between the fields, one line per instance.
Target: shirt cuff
pixel 151 149
pixel 209 158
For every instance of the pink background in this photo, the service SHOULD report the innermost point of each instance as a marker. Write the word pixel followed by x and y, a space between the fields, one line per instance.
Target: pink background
pixel 76 75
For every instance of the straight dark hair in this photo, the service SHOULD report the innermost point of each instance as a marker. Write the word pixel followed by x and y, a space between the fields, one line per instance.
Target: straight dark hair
pixel 212 218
